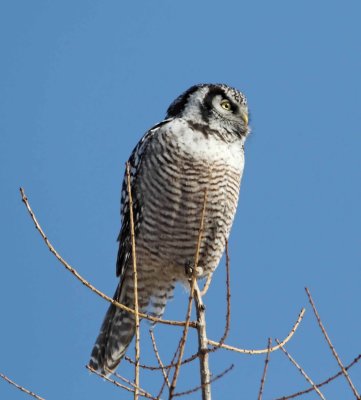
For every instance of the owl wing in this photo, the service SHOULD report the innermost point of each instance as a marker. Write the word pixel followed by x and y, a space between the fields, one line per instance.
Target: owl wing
pixel 135 162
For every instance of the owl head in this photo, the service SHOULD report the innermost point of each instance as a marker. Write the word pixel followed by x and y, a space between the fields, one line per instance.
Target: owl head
pixel 217 106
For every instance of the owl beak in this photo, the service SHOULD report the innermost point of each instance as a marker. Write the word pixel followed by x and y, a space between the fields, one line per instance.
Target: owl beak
pixel 244 117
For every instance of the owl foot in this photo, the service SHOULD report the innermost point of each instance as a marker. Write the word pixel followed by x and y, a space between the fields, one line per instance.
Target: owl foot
pixel 190 270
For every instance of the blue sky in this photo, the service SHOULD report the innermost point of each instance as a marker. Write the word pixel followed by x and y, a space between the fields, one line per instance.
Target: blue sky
pixel 80 84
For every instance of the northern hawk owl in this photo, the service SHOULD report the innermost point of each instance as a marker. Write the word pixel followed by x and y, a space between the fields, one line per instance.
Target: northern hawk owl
pixel 198 146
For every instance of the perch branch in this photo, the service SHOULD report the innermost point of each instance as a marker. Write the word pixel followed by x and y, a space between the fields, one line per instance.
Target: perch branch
pixel 87 283
pixel 202 345
pixel 344 371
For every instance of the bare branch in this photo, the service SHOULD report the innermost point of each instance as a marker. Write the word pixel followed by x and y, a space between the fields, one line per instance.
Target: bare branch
pixel 135 285
pixel 327 381
pixel 132 389
pixel 164 371
pixel 193 284
pixel 346 375
pixel 228 285
pixel 173 364
pixel 263 351
pixel 87 283
pixel 302 372
pixel 202 345
pixel 130 383
pixel 228 312
pixel 183 338
pixel 8 380
pixel 215 378
pixel 168 366
pixel 206 285
pixel 263 379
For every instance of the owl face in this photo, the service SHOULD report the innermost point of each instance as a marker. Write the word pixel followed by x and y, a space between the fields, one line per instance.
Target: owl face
pixel 217 106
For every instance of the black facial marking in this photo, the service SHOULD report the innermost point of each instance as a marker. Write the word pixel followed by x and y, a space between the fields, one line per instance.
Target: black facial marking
pixel 179 103
pixel 204 129
pixel 214 91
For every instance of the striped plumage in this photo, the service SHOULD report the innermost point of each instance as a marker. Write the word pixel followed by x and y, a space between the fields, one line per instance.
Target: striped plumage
pixel 198 146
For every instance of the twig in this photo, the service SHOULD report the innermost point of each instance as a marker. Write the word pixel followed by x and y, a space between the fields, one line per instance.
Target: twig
pixel 132 389
pixel 302 372
pixel 263 351
pixel 226 329
pixel 215 378
pixel 228 284
pixel 87 283
pixel 168 366
pixel 131 384
pixel 206 285
pixel 193 283
pixel 183 338
pixel 327 381
pixel 8 380
pixel 228 312
pixel 172 364
pixel 346 375
pixel 135 285
pixel 263 379
pixel 164 371
pixel 202 345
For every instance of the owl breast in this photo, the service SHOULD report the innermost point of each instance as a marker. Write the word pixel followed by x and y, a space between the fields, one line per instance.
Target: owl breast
pixel 180 164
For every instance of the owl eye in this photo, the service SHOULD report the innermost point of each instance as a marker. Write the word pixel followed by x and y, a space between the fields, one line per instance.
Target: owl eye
pixel 226 105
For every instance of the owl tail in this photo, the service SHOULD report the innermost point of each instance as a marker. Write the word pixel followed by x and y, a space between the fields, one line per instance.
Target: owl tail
pixel 115 335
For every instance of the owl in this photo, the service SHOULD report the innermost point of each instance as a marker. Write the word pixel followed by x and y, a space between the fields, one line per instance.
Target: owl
pixel 198 147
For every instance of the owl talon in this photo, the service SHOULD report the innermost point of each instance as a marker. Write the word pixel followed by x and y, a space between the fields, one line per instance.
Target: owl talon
pixel 190 270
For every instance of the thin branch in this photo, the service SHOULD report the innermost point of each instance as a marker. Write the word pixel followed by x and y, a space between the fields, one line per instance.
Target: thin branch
pixel 302 372
pixel 132 389
pixel 183 338
pixel 325 382
pixel 193 282
pixel 8 380
pixel 215 378
pixel 172 364
pixel 87 283
pixel 228 285
pixel 164 371
pixel 168 366
pixel 228 312
pixel 202 345
pixel 226 330
pixel 263 379
pixel 131 384
pixel 135 285
pixel 346 375
pixel 263 351
pixel 206 285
